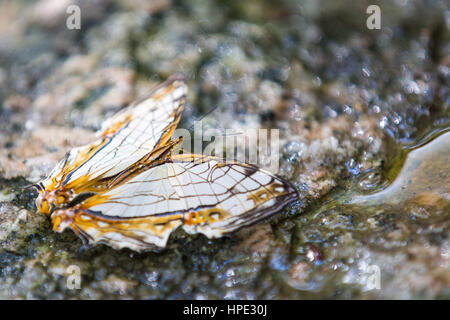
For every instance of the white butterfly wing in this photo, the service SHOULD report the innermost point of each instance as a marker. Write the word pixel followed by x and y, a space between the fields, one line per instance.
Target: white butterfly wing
pixel 125 138
pixel 202 194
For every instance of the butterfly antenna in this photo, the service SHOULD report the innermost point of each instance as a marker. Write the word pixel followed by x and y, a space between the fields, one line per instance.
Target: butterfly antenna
pixel 36 186
pixel 206 114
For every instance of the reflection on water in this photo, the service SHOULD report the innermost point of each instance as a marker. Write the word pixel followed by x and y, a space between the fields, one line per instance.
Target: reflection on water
pixel 423 179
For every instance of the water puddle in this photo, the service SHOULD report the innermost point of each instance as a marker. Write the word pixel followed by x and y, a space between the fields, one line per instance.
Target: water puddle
pixel 382 225
pixel 421 179
pixel 417 182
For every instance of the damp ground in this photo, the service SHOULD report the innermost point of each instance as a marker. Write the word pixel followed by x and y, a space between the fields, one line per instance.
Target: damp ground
pixel 363 119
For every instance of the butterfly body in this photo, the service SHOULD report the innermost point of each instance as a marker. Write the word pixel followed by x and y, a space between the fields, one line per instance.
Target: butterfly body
pixel 129 189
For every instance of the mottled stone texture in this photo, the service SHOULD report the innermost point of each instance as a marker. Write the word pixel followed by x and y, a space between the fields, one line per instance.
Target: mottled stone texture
pixel 347 101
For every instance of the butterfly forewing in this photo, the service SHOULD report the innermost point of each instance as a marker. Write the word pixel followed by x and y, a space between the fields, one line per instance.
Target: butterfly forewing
pixel 124 139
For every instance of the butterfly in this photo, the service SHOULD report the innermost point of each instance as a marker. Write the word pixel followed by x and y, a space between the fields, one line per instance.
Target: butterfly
pixel 130 189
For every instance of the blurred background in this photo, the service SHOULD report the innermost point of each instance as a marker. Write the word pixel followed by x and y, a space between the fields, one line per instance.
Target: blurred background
pixel 360 111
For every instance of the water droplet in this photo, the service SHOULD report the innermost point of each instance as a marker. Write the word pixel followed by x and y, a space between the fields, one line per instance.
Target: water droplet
pixel 348 109
pixel 331 112
pixel 383 122
pixel 297 113
pixel 353 167
pixel 376 109
pixel 366 72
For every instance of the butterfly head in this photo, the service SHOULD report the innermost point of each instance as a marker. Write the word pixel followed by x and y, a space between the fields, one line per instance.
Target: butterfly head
pixel 48 201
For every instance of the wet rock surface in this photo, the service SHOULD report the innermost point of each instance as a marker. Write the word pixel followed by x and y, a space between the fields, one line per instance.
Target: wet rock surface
pixel 348 102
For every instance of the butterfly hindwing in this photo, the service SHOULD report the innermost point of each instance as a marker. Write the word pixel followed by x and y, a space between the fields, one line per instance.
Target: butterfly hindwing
pixel 202 194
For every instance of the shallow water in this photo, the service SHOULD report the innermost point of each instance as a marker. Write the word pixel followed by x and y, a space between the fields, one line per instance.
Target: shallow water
pixel 422 178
